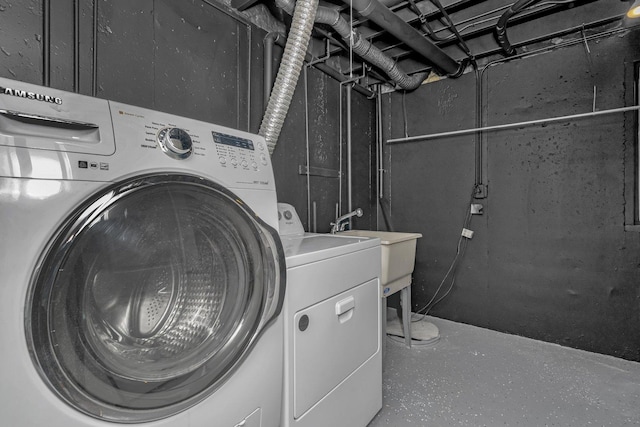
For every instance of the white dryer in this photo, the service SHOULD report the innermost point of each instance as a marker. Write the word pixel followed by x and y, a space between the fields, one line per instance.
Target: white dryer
pixel 142 273
pixel 333 359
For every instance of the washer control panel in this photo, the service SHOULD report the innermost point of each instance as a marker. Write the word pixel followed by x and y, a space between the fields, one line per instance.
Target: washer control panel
pixel 238 152
pixel 161 141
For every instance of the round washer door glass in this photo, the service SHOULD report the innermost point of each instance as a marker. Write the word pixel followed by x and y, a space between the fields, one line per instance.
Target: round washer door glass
pixel 150 296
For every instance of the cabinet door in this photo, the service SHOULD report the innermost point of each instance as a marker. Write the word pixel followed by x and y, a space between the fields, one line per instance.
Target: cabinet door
pixel 332 339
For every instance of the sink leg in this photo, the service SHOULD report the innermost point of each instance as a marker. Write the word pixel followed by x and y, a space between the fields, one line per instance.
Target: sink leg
pixel 405 298
pixel 383 326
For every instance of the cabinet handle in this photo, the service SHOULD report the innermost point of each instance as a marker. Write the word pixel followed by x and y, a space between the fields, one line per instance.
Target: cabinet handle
pixel 345 305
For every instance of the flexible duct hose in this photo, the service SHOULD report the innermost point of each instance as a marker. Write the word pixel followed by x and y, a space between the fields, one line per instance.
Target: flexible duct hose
pixel 361 46
pixel 289 71
pixel 305 12
pixel 367 51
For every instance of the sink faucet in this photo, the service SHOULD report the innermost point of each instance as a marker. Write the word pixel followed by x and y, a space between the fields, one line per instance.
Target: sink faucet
pixel 340 223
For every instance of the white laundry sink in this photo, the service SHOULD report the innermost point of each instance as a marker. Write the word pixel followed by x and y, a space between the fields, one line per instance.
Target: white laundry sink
pixel 398 257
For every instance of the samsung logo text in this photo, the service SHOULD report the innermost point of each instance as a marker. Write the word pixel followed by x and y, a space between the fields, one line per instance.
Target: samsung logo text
pixel 30 95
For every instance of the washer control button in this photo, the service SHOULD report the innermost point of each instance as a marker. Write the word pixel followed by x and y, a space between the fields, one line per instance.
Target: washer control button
pixel 254 165
pixel 234 162
pixel 175 142
pixel 263 159
pixel 223 160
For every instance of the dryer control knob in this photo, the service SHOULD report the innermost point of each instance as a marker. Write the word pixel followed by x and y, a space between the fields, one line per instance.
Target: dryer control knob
pixel 175 142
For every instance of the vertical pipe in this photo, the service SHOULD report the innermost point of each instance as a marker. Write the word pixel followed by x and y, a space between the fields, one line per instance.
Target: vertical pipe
pixel 249 53
pixel 349 163
pixel 478 136
pixel 239 76
pixel 306 134
pixel 94 59
pixel 315 217
pixel 341 156
pixel 76 46
pixel 46 42
pixel 379 157
pixel 267 76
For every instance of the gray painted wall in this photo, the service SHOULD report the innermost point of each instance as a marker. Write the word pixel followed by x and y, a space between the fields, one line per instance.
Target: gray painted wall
pixel 550 258
pixel 192 59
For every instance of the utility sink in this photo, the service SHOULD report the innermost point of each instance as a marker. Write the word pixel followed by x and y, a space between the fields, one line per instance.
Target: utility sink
pixel 398 260
pixel 398 257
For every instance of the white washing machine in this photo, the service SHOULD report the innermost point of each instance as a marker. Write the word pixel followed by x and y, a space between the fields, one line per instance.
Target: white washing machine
pixel 333 359
pixel 142 273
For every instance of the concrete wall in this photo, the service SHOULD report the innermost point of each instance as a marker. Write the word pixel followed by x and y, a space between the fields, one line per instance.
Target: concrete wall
pixel 328 155
pixel 192 59
pixel 550 258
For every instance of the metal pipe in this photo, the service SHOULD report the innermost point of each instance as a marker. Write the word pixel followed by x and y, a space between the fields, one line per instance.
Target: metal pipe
pixel 46 42
pixel 501 26
pixel 367 51
pixel 331 72
pixel 522 17
pixel 513 125
pixel 349 154
pixel 560 33
pixel 76 46
pixel 269 40
pixel 379 147
pixel 340 152
pixel 308 151
pixel 249 54
pixel 385 18
pixel 94 64
pixel 379 160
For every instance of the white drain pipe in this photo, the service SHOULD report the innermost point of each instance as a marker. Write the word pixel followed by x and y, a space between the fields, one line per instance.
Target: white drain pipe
pixel 289 71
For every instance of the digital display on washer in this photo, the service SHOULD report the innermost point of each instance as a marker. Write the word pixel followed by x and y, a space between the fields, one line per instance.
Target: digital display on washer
pixel 234 141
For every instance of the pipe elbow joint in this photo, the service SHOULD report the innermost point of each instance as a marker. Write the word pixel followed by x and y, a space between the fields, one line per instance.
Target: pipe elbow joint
pixel 462 66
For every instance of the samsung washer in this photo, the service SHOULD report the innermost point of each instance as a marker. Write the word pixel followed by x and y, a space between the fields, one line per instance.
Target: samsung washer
pixel 142 274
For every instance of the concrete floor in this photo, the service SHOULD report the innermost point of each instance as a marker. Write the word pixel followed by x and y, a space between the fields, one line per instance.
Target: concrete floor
pixel 477 377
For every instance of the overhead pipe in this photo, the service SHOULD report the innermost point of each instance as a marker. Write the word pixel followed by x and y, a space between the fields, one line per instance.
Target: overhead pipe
pixel 501 26
pixel 361 46
pixel 512 125
pixel 560 33
pixel 277 38
pixel 367 51
pixel 396 26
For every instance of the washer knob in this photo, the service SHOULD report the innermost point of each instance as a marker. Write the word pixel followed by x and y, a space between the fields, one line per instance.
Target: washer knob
pixel 175 142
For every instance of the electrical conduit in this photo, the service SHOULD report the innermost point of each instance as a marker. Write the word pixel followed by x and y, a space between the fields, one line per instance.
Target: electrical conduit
pixel 501 26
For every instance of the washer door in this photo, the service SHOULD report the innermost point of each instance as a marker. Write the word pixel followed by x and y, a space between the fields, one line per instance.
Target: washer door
pixel 150 296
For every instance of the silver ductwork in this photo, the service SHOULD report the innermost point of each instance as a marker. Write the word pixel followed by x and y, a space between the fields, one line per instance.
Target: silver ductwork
pixel 367 51
pixel 289 71
pixel 361 46
pixel 393 24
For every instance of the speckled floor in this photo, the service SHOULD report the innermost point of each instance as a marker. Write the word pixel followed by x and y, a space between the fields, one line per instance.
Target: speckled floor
pixel 478 377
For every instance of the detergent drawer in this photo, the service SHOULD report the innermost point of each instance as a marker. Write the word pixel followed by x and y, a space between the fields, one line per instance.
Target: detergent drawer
pixel 331 340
